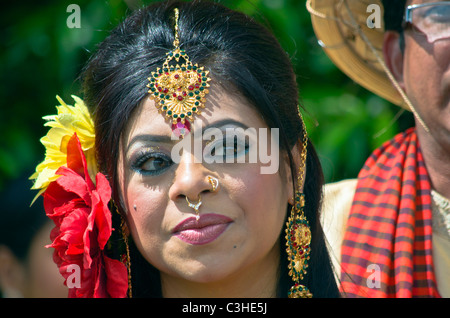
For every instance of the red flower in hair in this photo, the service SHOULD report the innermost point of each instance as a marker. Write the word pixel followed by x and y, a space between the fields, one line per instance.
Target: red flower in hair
pixel 79 209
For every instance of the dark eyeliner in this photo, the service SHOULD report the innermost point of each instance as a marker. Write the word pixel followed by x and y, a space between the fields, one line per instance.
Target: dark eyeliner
pixel 237 142
pixel 143 156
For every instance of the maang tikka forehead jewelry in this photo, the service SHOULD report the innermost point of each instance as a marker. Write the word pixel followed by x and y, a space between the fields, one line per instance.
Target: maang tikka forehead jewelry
pixel 179 90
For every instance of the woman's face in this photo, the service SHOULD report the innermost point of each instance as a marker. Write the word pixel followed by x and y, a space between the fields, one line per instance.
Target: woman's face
pixel 240 222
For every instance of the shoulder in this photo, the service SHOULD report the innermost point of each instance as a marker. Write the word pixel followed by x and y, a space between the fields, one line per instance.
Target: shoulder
pixel 338 198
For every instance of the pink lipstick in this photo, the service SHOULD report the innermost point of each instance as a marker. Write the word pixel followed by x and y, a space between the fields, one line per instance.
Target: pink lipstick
pixel 202 231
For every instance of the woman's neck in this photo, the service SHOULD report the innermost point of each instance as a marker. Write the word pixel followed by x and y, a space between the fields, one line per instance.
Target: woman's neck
pixel 258 280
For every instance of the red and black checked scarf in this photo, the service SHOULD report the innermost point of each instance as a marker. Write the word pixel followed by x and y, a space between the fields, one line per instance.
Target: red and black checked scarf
pixel 387 249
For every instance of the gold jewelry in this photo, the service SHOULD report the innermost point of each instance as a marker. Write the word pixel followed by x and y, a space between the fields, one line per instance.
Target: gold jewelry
pixel 179 90
pixel 298 234
pixel 214 183
pixel 126 257
pixel 195 205
pixel 123 226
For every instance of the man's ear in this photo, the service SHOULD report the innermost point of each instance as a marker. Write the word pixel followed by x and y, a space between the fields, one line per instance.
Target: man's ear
pixel 393 55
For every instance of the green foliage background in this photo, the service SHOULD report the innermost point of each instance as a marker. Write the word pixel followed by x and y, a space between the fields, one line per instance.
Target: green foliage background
pixel 41 57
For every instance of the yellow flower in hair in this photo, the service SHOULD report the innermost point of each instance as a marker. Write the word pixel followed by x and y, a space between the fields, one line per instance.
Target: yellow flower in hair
pixel 69 120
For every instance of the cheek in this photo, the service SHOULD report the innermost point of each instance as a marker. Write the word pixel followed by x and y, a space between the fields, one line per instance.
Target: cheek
pixel 145 208
pixel 263 199
pixel 144 204
pixel 423 80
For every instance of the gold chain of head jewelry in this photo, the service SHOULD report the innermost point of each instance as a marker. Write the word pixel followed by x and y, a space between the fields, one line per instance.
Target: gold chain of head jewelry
pixel 176 42
pixel 179 90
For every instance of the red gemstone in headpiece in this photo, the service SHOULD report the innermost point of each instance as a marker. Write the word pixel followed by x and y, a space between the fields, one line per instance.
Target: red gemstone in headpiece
pixel 180 129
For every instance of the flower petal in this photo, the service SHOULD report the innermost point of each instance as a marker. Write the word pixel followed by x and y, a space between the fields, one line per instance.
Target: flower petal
pixel 117 282
pixel 69 120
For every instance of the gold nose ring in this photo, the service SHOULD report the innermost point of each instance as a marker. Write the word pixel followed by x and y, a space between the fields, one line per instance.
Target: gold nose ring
pixel 214 183
pixel 195 205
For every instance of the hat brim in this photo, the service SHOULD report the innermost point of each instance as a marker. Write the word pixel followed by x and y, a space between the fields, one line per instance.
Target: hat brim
pixel 337 24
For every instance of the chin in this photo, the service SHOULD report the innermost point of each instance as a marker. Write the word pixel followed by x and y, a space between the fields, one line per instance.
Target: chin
pixel 205 272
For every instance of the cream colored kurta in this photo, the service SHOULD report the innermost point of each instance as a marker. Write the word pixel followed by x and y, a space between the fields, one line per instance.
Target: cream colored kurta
pixel 338 199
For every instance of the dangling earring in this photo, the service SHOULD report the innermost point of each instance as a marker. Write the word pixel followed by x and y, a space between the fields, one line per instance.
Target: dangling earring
pixel 298 239
pixel 125 258
pixel 123 227
pixel 298 235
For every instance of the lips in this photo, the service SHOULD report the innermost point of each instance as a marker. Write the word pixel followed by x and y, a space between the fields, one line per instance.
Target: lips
pixel 207 229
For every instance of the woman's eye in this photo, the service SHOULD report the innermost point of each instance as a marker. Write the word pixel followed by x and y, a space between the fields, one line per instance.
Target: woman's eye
pixel 229 148
pixel 152 163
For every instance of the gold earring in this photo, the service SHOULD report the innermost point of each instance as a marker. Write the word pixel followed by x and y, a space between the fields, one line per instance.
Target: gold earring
pixel 298 235
pixel 298 240
pixel 126 257
pixel 123 227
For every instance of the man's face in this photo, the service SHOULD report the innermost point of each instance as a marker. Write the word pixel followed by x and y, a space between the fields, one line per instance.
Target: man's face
pixel 426 80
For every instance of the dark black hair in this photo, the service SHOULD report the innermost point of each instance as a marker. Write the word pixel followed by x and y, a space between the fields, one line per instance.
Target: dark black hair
pixel 394 11
pixel 393 14
pixel 239 53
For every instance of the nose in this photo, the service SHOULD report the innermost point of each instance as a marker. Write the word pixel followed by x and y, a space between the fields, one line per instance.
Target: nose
pixel 191 180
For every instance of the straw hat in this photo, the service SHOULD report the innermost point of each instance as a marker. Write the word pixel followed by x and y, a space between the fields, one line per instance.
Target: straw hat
pixel 342 28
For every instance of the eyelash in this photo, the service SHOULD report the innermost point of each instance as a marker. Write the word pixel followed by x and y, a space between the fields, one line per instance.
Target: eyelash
pixel 223 143
pixel 143 157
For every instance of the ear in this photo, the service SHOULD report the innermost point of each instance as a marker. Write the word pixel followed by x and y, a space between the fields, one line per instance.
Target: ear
pixel 393 55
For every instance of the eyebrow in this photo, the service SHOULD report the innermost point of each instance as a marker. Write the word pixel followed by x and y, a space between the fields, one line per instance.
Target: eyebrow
pixel 224 122
pixel 148 138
